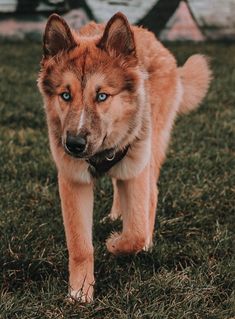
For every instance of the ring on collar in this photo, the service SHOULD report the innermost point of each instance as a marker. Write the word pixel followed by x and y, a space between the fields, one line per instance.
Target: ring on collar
pixel 110 157
pixel 103 161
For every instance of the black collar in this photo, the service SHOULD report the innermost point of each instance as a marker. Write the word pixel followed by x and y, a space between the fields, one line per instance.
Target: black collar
pixel 103 161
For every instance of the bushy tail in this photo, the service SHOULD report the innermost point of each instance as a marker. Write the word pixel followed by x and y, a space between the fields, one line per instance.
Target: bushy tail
pixel 195 76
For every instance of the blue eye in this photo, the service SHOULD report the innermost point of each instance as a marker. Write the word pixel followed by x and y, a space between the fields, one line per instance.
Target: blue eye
pixel 101 97
pixel 66 96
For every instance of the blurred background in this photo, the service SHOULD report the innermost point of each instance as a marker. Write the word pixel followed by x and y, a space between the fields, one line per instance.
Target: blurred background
pixel 196 20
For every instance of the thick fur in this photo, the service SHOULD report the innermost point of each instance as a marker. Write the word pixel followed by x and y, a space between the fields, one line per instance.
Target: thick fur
pixel 145 91
pixel 195 76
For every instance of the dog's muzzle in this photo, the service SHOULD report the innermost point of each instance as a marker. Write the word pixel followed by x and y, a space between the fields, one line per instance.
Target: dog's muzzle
pixel 101 162
pixel 75 145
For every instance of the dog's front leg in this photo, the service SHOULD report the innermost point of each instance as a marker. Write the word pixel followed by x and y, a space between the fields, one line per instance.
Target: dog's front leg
pixel 77 207
pixel 134 201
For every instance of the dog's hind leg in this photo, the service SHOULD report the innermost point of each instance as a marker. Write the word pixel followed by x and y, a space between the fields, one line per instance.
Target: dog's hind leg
pixel 116 211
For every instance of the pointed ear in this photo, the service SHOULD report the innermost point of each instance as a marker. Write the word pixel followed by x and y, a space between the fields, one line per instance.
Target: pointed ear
pixel 118 36
pixel 57 36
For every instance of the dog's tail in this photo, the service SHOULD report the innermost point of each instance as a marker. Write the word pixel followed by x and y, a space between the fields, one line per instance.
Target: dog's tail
pixel 195 77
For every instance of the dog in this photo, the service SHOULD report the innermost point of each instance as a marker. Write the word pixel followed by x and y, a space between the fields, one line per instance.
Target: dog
pixel 111 94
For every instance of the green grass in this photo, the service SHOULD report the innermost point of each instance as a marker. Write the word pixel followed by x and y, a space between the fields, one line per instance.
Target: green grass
pixel 190 272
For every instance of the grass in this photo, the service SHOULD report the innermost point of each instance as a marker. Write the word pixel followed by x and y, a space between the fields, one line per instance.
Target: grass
pixel 190 272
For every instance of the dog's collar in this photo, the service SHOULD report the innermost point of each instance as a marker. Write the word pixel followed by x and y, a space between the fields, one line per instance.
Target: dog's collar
pixel 102 162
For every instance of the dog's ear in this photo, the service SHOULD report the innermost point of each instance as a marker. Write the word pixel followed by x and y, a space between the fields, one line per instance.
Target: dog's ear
pixel 57 36
pixel 118 37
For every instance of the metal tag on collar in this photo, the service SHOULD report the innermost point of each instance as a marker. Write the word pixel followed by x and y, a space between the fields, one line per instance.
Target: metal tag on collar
pixel 110 157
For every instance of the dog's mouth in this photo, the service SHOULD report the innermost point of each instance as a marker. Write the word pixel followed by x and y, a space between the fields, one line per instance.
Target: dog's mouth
pixel 86 151
pixel 102 161
pixel 106 154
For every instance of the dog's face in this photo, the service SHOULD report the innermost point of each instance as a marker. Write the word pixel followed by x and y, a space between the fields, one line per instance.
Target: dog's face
pixel 90 86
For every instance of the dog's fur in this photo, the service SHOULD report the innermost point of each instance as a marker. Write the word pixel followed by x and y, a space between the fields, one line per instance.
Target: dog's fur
pixel 145 91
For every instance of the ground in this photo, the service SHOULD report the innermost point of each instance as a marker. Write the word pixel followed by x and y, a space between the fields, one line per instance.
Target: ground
pixel 190 271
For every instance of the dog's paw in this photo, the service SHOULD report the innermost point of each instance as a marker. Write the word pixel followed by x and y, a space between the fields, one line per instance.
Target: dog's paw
pixel 81 295
pixel 112 216
pixel 115 214
pixel 112 243
pixel 148 245
pixel 124 244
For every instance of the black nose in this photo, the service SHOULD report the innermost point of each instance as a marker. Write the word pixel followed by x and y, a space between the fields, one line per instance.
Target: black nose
pixel 75 144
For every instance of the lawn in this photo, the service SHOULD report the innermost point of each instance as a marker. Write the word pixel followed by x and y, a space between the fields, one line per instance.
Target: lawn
pixel 190 271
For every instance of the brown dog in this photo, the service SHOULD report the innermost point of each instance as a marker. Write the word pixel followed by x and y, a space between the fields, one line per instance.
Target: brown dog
pixel 111 94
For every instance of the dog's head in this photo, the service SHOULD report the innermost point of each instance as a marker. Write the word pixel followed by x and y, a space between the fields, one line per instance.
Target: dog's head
pixel 91 85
